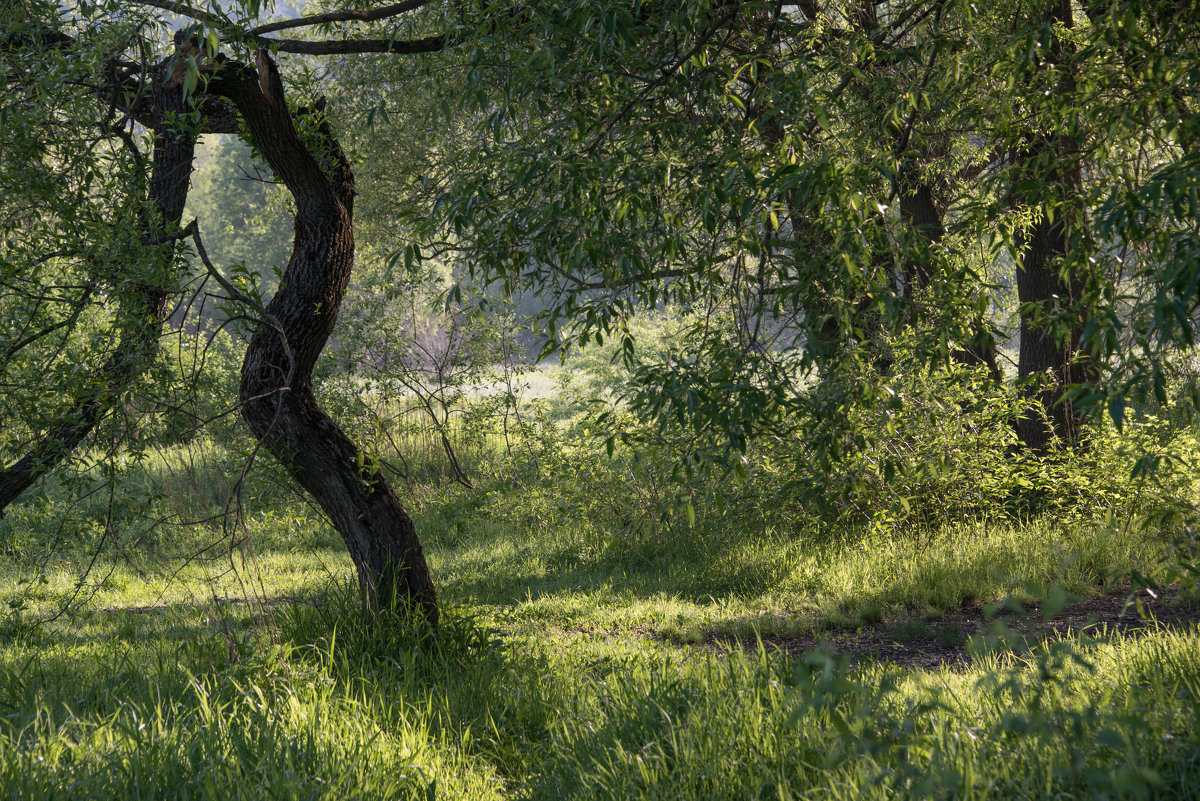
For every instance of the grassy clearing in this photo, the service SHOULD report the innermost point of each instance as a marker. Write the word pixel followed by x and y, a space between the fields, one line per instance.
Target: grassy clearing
pixel 562 669
pixel 165 704
pixel 694 589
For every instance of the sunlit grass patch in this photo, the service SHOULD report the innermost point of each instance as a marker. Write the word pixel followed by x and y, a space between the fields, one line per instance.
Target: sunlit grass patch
pixel 512 701
pixel 228 656
pixel 263 731
pixel 777 585
pixel 1119 721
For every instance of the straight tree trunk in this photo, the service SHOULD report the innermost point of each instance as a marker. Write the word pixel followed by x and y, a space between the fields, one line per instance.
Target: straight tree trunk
pixel 918 210
pixel 1049 360
pixel 1047 280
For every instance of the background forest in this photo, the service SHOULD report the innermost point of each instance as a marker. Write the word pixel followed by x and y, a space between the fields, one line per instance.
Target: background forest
pixel 599 398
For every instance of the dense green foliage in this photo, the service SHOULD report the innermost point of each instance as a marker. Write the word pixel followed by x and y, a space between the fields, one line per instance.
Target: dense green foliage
pixel 762 166
pixel 810 275
pixel 72 261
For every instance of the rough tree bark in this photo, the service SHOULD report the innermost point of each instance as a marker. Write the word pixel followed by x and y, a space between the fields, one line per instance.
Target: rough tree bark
pixel 1043 283
pixel 276 390
pixel 278 401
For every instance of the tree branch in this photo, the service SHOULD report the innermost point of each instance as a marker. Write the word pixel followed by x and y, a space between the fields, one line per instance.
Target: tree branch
pixel 325 47
pixel 351 15
pixel 145 309
pixel 192 231
pixel 179 7
pixel 332 47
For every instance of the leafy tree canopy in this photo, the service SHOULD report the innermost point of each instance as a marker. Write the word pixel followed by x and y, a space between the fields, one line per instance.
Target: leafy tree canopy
pixel 812 176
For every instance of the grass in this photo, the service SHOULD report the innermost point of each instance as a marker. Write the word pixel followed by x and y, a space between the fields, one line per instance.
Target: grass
pixel 342 708
pixel 693 589
pixel 562 669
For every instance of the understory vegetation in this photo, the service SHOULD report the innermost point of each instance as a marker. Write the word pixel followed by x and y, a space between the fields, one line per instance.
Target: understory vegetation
pixel 615 626
pixel 586 399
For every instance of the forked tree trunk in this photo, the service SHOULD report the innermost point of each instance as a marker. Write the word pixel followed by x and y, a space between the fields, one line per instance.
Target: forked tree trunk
pixel 276 391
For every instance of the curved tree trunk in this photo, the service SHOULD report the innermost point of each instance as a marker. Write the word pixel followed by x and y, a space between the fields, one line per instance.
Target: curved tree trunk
pixel 174 148
pixel 276 391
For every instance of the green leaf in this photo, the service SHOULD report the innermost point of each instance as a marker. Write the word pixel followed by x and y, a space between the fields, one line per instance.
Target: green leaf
pixel 1054 603
pixel 191 77
pixel 1116 410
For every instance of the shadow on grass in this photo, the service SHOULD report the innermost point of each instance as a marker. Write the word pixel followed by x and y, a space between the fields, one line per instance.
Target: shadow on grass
pixel 780 585
pixel 505 564
pixel 331 697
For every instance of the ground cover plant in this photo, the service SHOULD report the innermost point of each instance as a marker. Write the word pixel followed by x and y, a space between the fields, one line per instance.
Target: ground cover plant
pixel 605 398
pixel 578 657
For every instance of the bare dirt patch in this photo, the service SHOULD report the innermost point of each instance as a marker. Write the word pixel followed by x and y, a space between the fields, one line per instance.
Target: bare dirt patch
pixel 951 640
